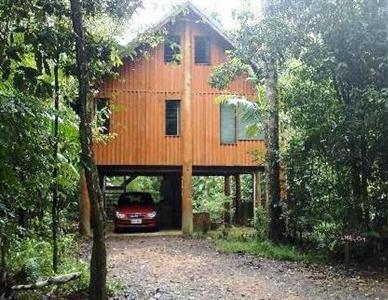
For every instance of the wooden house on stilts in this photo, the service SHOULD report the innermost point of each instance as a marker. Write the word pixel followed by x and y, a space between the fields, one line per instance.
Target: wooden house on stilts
pixel 166 119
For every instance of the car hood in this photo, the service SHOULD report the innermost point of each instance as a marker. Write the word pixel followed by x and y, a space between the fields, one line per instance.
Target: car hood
pixel 135 209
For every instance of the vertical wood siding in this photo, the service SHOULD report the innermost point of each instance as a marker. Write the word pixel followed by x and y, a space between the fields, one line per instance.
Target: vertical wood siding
pixel 138 97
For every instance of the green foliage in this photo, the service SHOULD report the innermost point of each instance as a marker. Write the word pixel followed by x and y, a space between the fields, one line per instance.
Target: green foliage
pixel 327 236
pixel 335 120
pixel 223 74
pixel 114 287
pixel 209 196
pixel 331 57
pixel 33 256
pixel 245 240
pixel 146 184
pixel 261 223
pixel 264 249
pixel 36 38
pixel 233 233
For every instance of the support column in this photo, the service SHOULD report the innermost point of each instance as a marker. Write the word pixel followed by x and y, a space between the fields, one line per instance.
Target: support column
pixel 256 192
pixel 237 212
pixel 84 218
pixel 187 135
pixel 227 203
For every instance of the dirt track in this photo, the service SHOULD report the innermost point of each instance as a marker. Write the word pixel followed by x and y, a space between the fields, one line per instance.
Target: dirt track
pixel 180 268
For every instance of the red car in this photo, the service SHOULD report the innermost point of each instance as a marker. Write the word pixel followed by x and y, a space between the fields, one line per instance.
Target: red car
pixel 135 210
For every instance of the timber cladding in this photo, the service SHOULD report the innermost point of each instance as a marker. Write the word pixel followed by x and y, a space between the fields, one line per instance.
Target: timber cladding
pixel 138 102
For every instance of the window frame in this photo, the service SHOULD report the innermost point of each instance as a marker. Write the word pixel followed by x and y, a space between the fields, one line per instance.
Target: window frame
pixel 178 118
pixel 207 63
pixel 235 126
pixel 238 128
pixel 173 38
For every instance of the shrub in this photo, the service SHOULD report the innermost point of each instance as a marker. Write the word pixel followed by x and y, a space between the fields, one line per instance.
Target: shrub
pixel 31 260
pixel 261 224
pixel 326 236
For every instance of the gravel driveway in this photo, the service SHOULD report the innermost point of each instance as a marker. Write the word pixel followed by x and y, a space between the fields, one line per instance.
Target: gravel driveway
pixel 183 268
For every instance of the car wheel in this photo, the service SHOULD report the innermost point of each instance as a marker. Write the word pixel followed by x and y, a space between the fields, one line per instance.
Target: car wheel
pixel 117 230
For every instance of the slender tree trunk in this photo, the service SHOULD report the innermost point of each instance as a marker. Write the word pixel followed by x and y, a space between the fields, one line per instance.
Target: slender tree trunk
pixel 97 285
pixel 84 222
pixel 273 165
pixel 54 212
pixel 355 213
pixel 364 184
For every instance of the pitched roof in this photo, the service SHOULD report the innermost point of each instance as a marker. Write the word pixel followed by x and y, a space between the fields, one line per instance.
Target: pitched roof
pixel 183 9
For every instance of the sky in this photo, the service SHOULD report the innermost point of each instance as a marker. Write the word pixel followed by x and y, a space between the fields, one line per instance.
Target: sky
pixel 154 10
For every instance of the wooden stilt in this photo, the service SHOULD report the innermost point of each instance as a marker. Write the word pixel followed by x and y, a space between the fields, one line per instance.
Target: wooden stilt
pixel 256 192
pixel 259 191
pixel 227 203
pixel 237 212
pixel 84 218
pixel 187 136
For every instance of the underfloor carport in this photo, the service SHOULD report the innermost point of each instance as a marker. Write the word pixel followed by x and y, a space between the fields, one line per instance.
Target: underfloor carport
pixel 170 204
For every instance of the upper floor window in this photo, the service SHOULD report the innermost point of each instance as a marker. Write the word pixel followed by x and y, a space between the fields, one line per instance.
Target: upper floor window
pixel 173 117
pixel 172 49
pixel 202 50
pixel 103 115
pixel 228 124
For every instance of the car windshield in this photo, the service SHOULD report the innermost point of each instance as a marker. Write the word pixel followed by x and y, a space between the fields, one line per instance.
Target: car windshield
pixel 135 198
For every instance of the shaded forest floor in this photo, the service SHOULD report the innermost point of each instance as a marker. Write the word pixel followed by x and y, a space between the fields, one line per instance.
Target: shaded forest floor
pixel 183 268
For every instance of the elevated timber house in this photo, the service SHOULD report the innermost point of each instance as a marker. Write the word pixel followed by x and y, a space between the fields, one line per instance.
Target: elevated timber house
pixel 165 118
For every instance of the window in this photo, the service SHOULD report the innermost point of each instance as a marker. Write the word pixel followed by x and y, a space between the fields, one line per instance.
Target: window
pixel 172 117
pixel 172 49
pixel 236 124
pixel 228 124
pixel 103 115
pixel 202 50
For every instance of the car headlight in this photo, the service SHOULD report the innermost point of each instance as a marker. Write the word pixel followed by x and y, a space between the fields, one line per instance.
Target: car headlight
pixel 151 215
pixel 120 215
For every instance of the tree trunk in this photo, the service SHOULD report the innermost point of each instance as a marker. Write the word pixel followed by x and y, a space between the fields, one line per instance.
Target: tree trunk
pixel 273 165
pixel 364 184
pixel 355 213
pixel 54 208
pixel 84 218
pixel 97 285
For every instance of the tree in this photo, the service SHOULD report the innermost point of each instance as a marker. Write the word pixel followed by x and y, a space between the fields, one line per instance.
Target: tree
pixel 97 285
pixel 261 47
pixel 344 59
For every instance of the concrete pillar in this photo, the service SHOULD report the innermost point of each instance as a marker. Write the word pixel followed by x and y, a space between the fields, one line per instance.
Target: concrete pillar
pixel 187 135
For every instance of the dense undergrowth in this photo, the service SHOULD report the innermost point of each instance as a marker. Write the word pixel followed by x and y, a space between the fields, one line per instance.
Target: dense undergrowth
pixel 247 240
pixel 31 262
